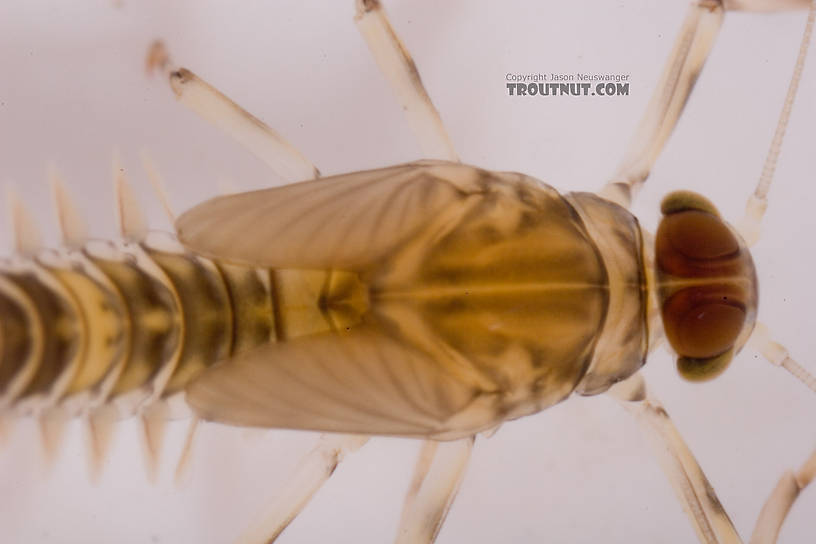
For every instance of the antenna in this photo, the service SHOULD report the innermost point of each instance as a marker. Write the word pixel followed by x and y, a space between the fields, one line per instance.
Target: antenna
pixel 758 201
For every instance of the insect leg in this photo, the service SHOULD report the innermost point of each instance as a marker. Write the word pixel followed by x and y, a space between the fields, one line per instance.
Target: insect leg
pixel 693 489
pixel 217 108
pixel 765 5
pixel 780 501
pixel 438 473
pixel 309 476
pixel 691 49
pixel 791 484
pixel 399 69
pixel 686 60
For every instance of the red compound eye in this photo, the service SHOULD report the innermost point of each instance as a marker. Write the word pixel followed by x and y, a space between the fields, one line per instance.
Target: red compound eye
pixel 693 244
pixel 707 285
pixel 702 322
pixel 700 235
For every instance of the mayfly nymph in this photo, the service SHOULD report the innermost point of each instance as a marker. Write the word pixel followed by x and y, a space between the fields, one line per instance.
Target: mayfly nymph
pixel 431 299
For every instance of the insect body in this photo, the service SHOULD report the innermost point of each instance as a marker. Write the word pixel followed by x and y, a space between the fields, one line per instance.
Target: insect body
pixel 483 297
pixel 555 440
pixel 497 295
pixel 462 272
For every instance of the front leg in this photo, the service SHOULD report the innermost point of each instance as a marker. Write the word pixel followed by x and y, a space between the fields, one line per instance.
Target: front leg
pixel 700 502
pixel 692 47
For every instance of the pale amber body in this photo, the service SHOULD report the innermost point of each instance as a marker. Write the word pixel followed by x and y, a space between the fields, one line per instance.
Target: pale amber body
pixel 455 299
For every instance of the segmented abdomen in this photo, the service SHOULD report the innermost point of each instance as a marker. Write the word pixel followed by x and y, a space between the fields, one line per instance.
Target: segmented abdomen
pixel 131 324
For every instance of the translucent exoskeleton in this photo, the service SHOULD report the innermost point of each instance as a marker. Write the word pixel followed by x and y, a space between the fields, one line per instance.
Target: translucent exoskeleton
pixel 580 471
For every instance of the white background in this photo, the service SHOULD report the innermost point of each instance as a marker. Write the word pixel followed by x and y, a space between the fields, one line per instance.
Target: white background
pixel 72 88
